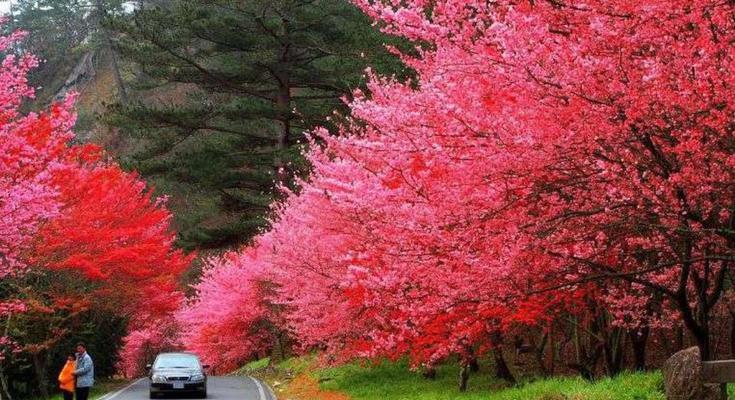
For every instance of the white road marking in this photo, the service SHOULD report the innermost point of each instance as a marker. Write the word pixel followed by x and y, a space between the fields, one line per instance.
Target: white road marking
pixel 261 392
pixel 273 395
pixel 111 396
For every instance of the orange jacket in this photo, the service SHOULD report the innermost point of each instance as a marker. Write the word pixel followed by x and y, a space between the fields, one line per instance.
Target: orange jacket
pixel 66 377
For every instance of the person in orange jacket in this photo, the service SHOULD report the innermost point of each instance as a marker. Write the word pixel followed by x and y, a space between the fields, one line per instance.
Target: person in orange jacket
pixel 66 377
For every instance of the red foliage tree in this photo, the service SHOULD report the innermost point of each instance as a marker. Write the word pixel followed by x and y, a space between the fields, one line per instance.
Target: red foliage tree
pixel 63 208
pixel 111 229
pixel 115 235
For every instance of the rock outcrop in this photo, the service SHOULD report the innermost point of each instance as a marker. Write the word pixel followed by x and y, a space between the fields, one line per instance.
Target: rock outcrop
pixel 683 378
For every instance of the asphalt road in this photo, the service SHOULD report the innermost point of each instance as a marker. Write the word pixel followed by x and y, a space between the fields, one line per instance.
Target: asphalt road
pixel 218 388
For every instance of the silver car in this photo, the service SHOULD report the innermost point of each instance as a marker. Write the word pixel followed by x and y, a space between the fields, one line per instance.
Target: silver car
pixel 177 373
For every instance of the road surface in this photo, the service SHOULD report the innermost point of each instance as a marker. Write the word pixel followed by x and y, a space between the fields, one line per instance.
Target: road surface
pixel 218 388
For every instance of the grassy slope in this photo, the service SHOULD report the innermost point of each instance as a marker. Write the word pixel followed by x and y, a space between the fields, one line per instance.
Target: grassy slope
pixel 393 381
pixel 300 379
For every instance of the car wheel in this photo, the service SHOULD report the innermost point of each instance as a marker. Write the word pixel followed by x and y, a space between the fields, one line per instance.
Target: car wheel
pixel 152 395
pixel 203 394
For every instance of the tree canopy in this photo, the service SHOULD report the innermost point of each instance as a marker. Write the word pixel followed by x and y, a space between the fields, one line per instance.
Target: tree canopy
pixel 227 91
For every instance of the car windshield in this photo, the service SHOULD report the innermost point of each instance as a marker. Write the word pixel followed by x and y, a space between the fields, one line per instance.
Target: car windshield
pixel 177 361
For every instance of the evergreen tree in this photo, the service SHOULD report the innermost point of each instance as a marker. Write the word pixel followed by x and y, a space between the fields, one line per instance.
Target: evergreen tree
pixel 55 28
pixel 65 35
pixel 234 87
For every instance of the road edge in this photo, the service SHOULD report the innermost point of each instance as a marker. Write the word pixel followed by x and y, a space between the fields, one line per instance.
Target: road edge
pixel 264 390
pixel 110 396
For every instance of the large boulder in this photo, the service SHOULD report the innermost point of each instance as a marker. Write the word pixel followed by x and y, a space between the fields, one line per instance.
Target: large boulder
pixel 683 378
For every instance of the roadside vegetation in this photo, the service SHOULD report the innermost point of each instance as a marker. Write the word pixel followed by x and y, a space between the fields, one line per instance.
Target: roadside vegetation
pixel 303 378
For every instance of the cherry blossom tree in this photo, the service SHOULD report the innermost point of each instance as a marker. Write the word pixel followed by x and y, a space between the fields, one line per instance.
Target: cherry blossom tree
pixel 229 319
pixel 32 148
pixel 612 124
pixel 141 345
pixel 550 157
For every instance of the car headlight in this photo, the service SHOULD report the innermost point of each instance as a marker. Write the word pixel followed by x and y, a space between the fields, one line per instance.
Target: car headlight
pixel 197 377
pixel 158 379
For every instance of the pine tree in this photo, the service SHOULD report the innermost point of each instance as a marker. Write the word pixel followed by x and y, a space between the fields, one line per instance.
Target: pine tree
pixel 235 86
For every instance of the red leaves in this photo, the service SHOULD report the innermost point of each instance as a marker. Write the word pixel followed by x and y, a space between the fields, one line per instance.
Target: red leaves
pixel 113 232
pixel 110 228
pixel 65 209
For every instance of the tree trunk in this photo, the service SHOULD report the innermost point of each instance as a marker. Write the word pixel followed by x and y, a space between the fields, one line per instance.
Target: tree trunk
pixel 554 350
pixel 474 365
pixel 283 104
pixel 704 345
pixel 277 352
pixel 464 376
pixel 679 338
pixel 614 346
pixel 121 91
pixel 576 341
pixel 5 393
pixel 639 341
pixel 699 328
pixel 39 368
pixel 539 351
pixel 587 355
pixel 501 367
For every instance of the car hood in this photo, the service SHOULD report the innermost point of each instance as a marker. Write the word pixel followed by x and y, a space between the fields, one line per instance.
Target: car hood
pixel 176 371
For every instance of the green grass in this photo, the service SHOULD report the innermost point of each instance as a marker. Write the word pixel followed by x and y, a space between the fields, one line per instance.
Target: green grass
pixel 253 366
pixel 298 364
pixel 394 381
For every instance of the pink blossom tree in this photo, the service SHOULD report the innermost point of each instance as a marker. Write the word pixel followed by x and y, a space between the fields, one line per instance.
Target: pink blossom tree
pixel 612 124
pixel 548 156
pixel 228 320
pixel 32 148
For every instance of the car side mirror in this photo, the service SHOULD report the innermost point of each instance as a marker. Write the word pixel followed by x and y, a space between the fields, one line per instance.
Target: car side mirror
pixel 205 366
pixel 148 367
